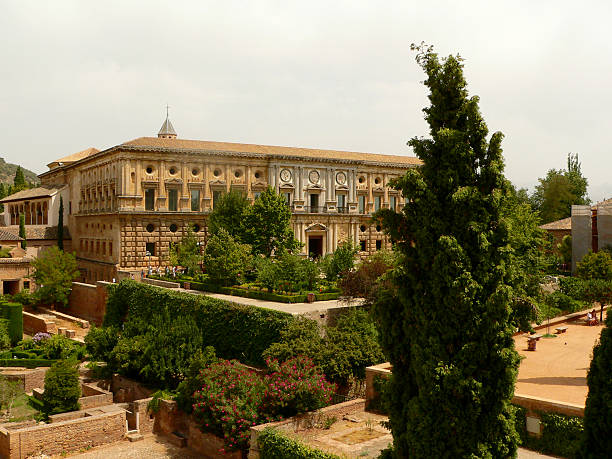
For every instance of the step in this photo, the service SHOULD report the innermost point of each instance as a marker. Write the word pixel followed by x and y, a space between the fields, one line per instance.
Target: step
pixel 135 437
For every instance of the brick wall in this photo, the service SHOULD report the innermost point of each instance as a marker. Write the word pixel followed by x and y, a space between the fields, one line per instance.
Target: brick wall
pixel 59 437
pixel 128 390
pixel 28 379
pixel 33 324
pixel 88 301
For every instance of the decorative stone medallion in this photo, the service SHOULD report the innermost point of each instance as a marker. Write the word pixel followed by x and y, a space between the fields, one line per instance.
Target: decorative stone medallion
pixel 285 175
pixel 341 178
pixel 313 176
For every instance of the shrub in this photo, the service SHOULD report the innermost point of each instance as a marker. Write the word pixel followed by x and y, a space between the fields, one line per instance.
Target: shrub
pixel 193 378
pixel 363 282
pixel 226 260
pixel 5 340
pixel 234 398
pixel 62 388
pixel 100 341
pixel 565 303
pixel 342 260
pixel 13 312
pixel 275 445
pixel 61 347
pixel 595 266
pixel 574 287
pixel 561 435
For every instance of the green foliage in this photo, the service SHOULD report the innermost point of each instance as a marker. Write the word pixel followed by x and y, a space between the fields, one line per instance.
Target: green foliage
pixel 381 389
pixel 5 340
pixel 54 271
pixel 187 252
pixel 19 182
pixel 225 259
pixel 341 261
pixel 597 420
pixel 559 190
pixel 62 388
pixel 13 313
pixel 563 302
pixel 561 435
pixel 574 287
pixel 61 347
pixel 228 214
pixel 22 232
pixel 287 273
pixel 235 331
pixel 5 252
pixel 447 325
pixel 267 225
pixel 9 391
pixel 233 398
pixel 60 225
pixel 275 445
pixel 100 341
pixel 343 351
pixel 565 248
pixel 365 281
pixel 193 377
pixel 595 265
pixel 26 363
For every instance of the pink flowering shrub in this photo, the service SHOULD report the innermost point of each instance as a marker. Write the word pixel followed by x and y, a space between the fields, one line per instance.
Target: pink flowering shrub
pixel 234 398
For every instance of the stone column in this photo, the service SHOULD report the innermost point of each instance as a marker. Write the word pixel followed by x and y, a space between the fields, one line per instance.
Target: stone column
pixel 604 225
pixel 228 177
pixel 299 183
pixel 332 181
pixel 581 233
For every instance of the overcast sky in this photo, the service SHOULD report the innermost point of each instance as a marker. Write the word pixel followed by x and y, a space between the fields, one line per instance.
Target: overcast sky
pixel 326 74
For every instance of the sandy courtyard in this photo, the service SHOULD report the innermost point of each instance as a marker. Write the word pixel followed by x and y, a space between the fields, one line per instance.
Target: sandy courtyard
pixel 557 369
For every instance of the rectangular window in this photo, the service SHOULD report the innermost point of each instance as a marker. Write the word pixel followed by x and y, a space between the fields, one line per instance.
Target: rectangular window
pixel 173 200
pixel 150 248
pixel 110 248
pixel 376 203
pixel 341 200
pixel 150 199
pixel 69 207
pixel 392 202
pixel 288 198
pixel 195 200
pixel 216 197
pixel 378 244
pixel 26 285
pixel 362 246
pixel 256 195
pixel 362 203
pixel 104 248
pixel 314 201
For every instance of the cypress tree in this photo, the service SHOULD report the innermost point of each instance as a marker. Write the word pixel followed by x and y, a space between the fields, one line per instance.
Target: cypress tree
pixel 60 225
pixel 19 180
pixel 598 409
pixel 446 324
pixel 22 231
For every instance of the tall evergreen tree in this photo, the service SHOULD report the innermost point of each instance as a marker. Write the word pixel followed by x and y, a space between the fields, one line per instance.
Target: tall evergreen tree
pixel 229 214
pixel 60 225
pixel 22 231
pixel 19 180
pixel 447 325
pixel 598 409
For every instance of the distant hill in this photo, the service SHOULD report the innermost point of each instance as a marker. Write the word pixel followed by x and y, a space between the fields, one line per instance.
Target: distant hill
pixel 7 173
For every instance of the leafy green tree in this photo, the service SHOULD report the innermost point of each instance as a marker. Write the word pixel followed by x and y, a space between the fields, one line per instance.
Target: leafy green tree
pixel 559 190
pixel 62 388
pixel 267 225
pixel 187 252
pixel 22 231
pixel 447 327
pixel 229 214
pixel 225 259
pixel 341 261
pixel 19 182
pixel 597 420
pixel 54 272
pixel 565 248
pixel 60 225
pixel 595 265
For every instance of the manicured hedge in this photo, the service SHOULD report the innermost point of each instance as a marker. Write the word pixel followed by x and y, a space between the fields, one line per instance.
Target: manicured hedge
pixel 274 445
pixel 261 294
pixel 561 435
pixel 26 363
pixel 235 331
pixel 13 312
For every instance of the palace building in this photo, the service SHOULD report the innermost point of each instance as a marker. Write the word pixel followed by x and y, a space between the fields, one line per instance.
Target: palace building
pixel 125 205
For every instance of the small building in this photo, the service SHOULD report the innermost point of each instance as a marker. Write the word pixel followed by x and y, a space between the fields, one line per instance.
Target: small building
pixel 14 264
pixel 558 230
pixel 591 228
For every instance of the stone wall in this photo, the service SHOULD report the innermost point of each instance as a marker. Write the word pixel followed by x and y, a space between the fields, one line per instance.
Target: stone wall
pixel 28 379
pixel 88 301
pixel 582 235
pixel 63 436
pixel 128 390
pixel 161 283
pixel 33 324
pixel 382 370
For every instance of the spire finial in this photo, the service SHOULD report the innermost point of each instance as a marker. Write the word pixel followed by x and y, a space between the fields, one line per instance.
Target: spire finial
pixel 167 130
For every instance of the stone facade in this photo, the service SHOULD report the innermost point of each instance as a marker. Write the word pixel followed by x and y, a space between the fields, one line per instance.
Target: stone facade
pixel 140 196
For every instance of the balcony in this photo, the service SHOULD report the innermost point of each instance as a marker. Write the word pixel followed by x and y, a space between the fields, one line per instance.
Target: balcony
pixel 342 210
pixel 314 209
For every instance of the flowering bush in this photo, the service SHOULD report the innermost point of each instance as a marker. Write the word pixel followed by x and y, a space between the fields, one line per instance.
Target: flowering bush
pixel 233 398
pixel 40 336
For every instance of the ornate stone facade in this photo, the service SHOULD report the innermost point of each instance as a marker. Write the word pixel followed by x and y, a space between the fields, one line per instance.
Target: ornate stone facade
pixel 136 198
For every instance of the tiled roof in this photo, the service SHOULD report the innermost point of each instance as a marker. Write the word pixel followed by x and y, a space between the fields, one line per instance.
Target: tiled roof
pixel 8 236
pixel 37 231
pixel 39 192
pixel 74 157
pixel 209 146
pixel 563 224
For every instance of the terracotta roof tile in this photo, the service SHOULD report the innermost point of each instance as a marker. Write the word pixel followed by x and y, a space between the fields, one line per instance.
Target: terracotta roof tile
pixel 39 192
pixel 74 157
pixel 34 232
pixel 563 224
pixel 203 145
pixel 8 236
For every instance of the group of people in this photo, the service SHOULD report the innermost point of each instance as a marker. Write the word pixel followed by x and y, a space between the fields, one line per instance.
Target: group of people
pixel 159 271
pixel 592 318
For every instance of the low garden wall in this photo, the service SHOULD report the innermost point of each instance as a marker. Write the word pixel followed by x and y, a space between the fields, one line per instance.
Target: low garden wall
pixel 29 379
pixel 91 397
pixel 88 301
pixel 128 390
pixel 33 324
pixel 62 436
pixel 161 283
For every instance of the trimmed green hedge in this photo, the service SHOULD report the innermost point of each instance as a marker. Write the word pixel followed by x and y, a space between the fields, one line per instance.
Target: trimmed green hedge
pixel 561 435
pixel 26 363
pixel 13 312
pixel 235 331
pixel 261 294
pixel 274 445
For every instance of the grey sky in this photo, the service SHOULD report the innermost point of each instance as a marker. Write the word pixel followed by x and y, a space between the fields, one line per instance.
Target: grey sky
pixel 339 75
